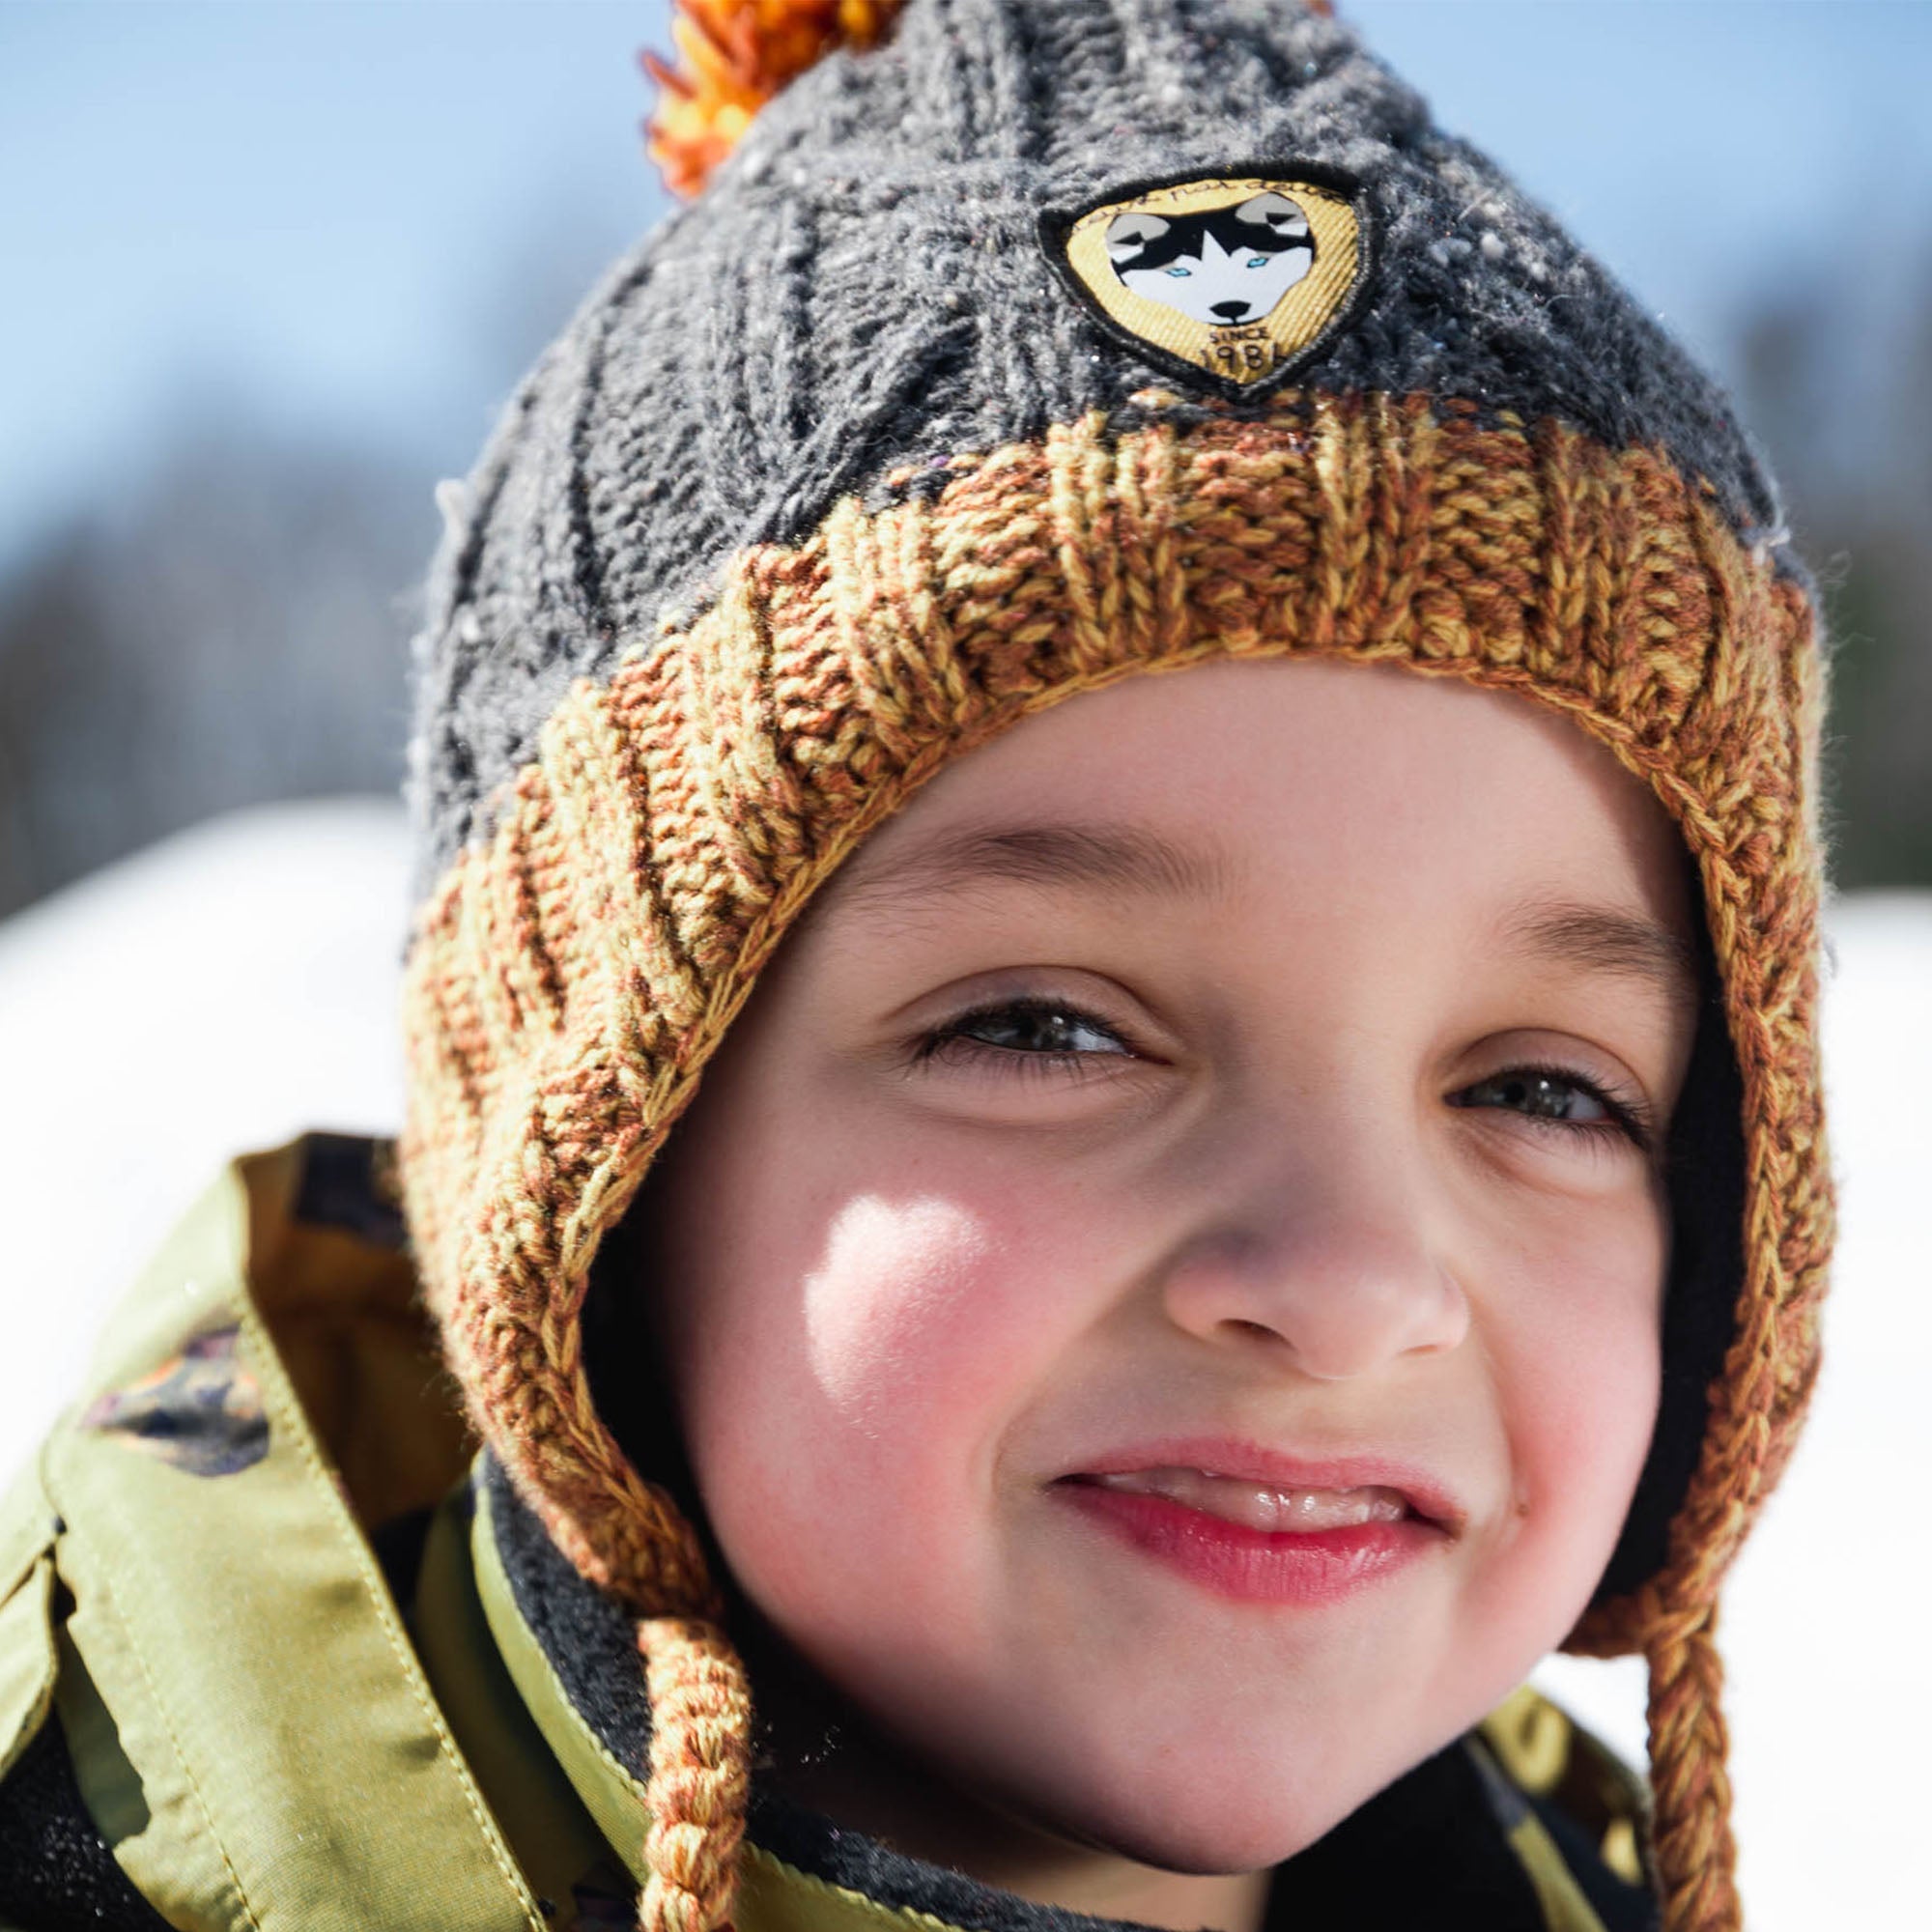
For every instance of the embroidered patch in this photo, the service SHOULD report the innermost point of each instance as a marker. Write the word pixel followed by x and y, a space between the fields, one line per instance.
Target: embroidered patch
pixel 201 1410
pixel 1235 277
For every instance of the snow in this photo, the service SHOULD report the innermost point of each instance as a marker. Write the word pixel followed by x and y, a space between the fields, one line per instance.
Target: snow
pixel 229 987
pixel 222 990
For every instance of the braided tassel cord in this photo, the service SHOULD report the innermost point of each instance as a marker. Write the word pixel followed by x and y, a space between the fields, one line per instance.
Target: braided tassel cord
pixel 701 1774
pixel 1692 1842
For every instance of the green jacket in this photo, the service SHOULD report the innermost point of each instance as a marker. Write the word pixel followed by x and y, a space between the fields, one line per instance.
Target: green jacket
pixel 249 1595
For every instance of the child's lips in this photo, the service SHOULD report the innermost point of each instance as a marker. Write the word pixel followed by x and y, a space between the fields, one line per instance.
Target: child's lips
pixel 1274 1507
pixel 1265 1490
pixel 1259 1527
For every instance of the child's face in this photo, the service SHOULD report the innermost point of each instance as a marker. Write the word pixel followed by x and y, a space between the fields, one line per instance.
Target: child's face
pixel 1031 1161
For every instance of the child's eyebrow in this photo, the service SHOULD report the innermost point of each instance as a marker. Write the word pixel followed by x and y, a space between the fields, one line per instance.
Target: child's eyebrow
pixel 1604 939
pixel 1118 858
pixel 1137 859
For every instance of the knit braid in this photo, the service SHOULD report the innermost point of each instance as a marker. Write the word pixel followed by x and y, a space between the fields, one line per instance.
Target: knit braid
pixel 1693 1849
pixel 701 1713
pixel 701 1774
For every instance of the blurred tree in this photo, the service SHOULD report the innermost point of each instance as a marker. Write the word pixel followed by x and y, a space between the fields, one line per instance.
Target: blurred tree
pixel 1843 404
pixel 237 632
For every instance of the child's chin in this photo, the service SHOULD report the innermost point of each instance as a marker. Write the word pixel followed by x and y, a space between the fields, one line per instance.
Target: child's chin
pixel 1216 1853
pixel 1199 1838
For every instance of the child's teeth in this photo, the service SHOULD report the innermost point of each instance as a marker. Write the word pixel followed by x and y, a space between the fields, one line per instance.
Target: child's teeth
pixel 1263 1506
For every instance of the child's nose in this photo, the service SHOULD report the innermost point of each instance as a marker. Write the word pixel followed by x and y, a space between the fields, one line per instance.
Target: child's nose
pixel 1338 1274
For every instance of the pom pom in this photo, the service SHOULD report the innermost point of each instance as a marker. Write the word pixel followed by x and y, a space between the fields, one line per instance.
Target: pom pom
pixel 735 55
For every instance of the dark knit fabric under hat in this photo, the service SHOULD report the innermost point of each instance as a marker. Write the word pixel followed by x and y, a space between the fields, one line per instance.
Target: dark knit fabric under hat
pixel 903 429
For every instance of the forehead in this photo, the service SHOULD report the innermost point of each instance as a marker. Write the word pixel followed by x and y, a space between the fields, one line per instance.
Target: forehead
pixel 1308 789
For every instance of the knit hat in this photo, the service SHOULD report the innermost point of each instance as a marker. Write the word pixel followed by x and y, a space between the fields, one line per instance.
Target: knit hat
pixel 895 432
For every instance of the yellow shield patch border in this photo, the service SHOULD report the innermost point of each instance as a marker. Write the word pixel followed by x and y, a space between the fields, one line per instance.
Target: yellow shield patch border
pixel 1237 360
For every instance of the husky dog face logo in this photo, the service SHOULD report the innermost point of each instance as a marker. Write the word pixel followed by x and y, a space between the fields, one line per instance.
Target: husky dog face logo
pixel 1234 279
pixel 1229 265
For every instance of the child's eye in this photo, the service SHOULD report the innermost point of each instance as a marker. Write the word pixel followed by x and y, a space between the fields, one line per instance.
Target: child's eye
pixel 1258 261
pixel 1566 1101
pixel 1177 270
pixel 1029 1036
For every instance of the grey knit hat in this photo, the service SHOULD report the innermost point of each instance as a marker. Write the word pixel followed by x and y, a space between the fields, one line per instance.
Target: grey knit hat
pixel 1033 344
pixel 864 287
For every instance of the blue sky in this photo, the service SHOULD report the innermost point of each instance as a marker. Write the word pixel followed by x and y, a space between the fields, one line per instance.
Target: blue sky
pixel 360 218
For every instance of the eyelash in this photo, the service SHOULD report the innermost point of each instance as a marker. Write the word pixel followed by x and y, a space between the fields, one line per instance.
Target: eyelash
pixel 1629 1117
pixel 952 1041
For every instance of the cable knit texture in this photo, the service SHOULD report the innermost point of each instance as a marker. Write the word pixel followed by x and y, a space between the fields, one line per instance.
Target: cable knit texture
pixel 832 480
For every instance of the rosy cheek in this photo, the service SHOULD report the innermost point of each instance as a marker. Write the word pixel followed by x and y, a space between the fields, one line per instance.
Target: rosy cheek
pixel 858 1435
pixel 896 1310
pixel 1584 1378
pixel 1591 1426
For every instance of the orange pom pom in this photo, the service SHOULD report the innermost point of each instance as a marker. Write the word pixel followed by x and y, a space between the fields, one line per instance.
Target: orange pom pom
pixel 736 55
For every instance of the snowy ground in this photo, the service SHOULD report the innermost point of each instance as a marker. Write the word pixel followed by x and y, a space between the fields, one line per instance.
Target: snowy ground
pixel 232 986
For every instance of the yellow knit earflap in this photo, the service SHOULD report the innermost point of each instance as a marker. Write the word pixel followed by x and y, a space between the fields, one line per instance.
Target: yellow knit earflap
pixel 737 54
